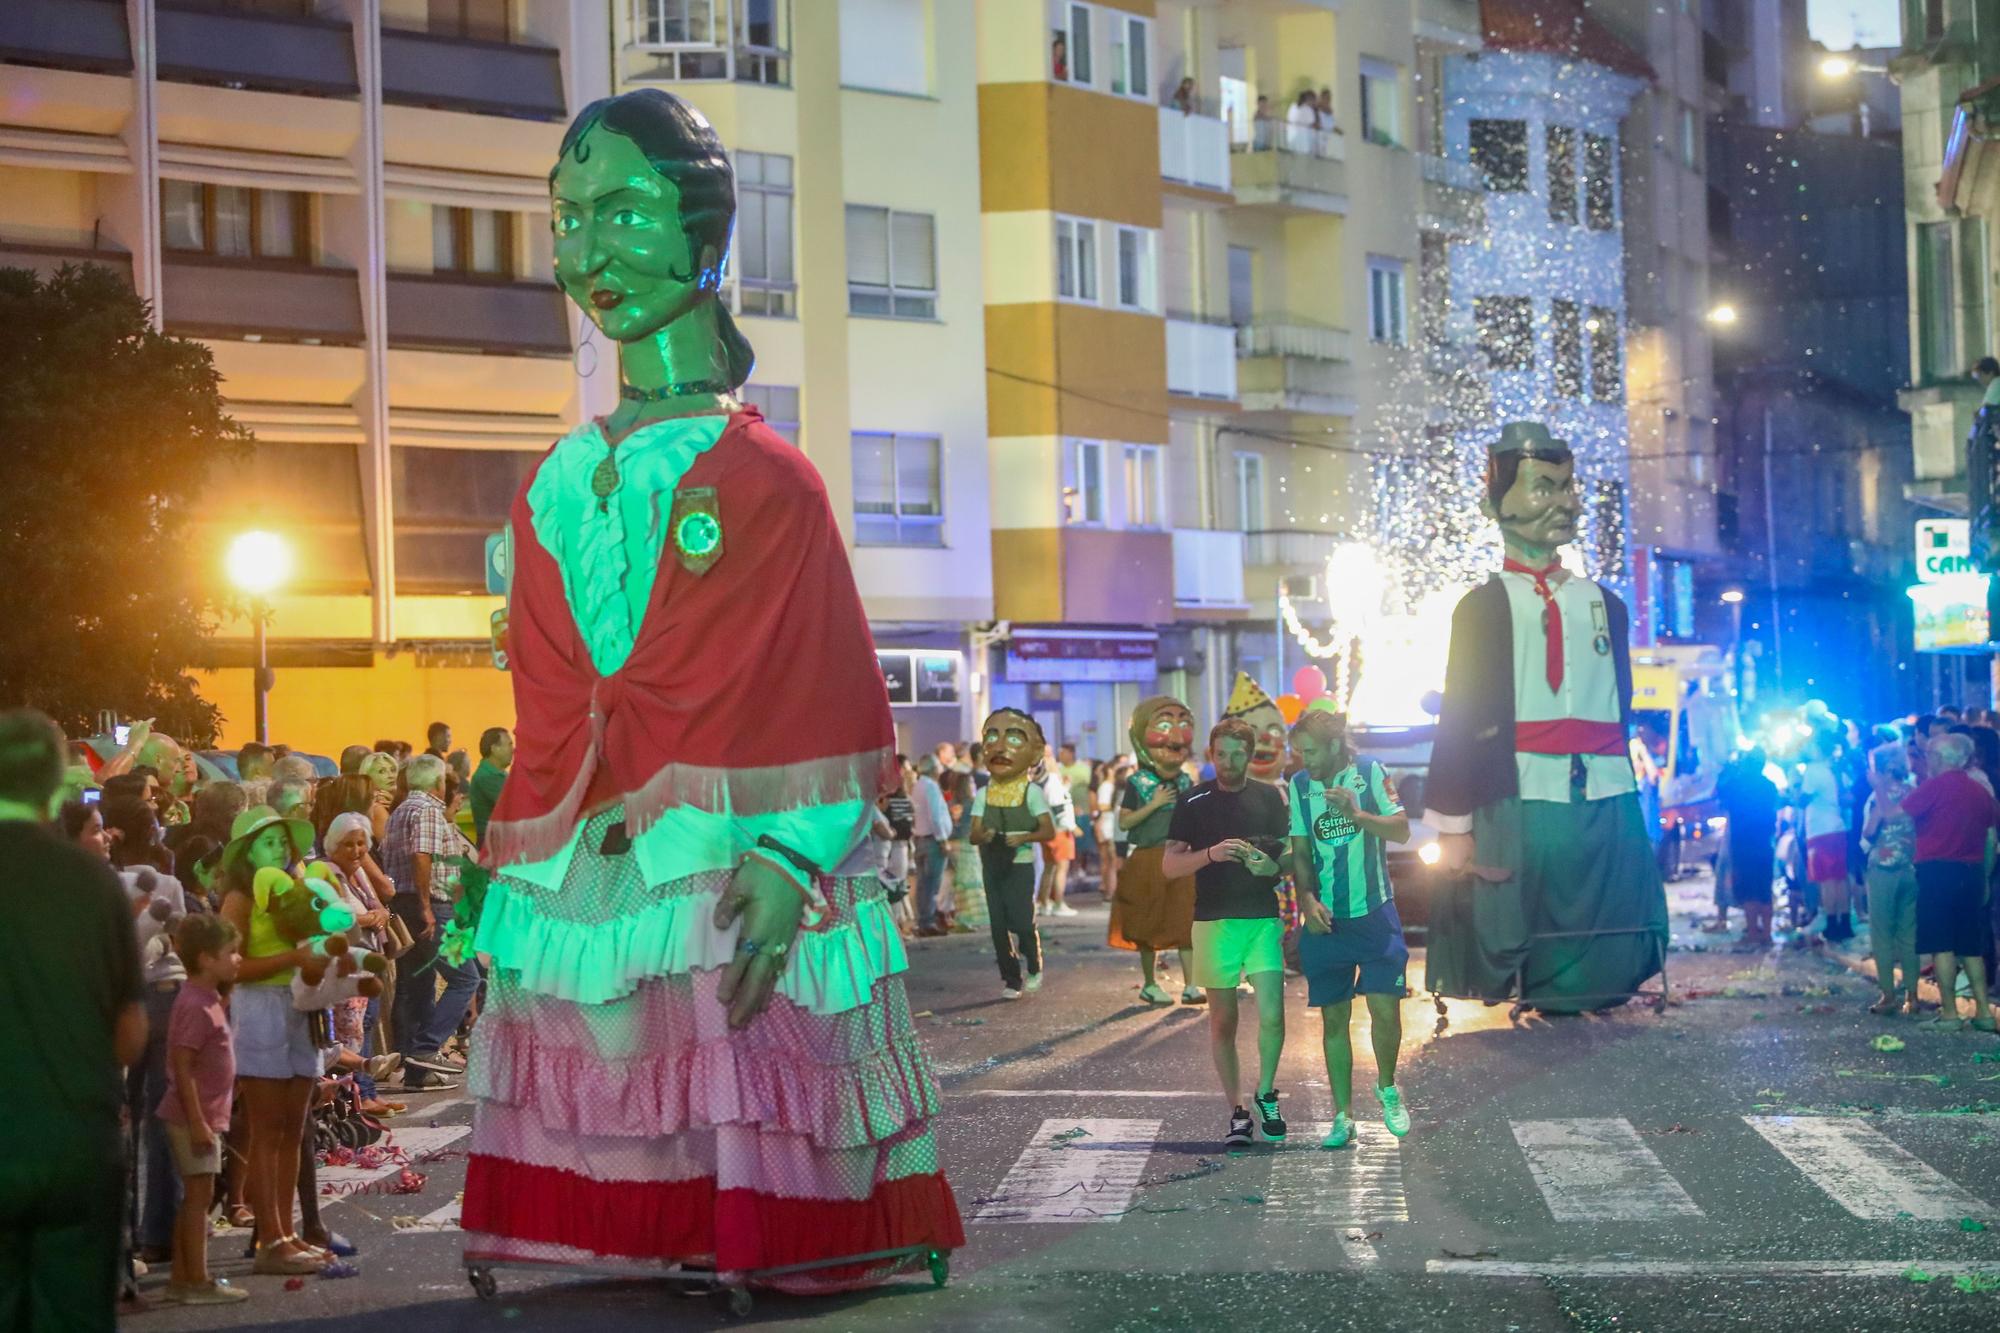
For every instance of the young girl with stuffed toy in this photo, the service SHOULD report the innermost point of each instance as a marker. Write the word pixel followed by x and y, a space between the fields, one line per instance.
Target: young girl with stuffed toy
pixel 277 1062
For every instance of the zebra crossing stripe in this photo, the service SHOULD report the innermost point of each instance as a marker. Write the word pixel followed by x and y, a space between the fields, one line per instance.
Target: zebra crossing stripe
pixel 1762 1269
pixel 1064 1176
pixel 1599 1170
pixel 1864 1170
pixel 1361 1185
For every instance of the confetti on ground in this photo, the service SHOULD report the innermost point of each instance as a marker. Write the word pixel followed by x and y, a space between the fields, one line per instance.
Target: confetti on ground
pixel 1935 1080
pixel 1971 1282
pixel 1070 1135
pixel 1916 1274
pixel 1971 1224
pixel 1885 1042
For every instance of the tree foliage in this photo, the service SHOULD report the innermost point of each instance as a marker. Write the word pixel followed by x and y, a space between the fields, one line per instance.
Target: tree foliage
pixel 108 429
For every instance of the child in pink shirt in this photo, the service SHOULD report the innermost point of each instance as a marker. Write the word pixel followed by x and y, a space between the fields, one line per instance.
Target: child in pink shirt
pixel 201 1079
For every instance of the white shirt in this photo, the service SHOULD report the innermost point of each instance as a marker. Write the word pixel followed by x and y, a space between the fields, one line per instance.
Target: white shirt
pixel 1824 812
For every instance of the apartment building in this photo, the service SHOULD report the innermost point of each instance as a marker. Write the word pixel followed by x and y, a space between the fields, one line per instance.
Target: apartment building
pixel 854 126
pixel 346 201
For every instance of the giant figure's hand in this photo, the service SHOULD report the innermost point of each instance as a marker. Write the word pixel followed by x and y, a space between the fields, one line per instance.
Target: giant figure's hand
pixel 769 905
pixel 1456 859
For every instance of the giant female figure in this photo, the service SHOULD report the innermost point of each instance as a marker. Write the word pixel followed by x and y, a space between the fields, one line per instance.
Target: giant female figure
pixel 696 1047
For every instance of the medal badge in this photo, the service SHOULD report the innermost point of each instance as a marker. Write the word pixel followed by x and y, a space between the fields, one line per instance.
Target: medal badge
pixel 696 527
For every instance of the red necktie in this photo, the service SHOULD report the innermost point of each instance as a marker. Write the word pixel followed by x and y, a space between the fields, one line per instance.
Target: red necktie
pixel 1552 621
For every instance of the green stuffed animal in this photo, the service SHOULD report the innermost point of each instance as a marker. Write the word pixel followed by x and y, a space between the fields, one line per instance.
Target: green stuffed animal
pixel 308 911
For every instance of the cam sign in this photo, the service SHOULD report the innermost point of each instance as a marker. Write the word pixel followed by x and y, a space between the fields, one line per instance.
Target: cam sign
pixel 1944 549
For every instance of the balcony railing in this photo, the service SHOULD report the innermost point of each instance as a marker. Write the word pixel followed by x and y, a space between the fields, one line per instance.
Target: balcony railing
pixel 1201 358
pixel 1292 166
pixel 1289 548
pixel 46 259
pixel 231 298
pixel 1208 568
pixel 1451 172
pixel 66 34
pixel 1280 335
pixel 233 49
pixel 460 74
pixel 1194 149
pixel 1280 136
pixel 452 313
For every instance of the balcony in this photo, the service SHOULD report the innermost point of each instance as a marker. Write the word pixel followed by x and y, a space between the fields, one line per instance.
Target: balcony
pixel 1292 168
pixel 742 41
pixel 66 34
pixel 1289 548
pixel 1208 569
pixel 1289 365
pixel 451 313
pixel 459 74
pixel 44 260
pixel 1454 198
pixel 1436 18
pixel 1285 336
pixel 1194 150
pixel 256 300
pixel 1201 359
pixel 233 49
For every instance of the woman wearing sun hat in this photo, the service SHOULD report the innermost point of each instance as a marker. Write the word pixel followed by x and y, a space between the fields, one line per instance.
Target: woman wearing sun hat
pixel 277 1061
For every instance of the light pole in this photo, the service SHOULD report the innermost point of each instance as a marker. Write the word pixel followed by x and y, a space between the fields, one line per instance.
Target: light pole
pixel 258 564
pixel 1733 599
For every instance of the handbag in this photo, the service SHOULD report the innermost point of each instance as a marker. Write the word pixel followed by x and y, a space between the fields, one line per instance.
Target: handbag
pixel 396 937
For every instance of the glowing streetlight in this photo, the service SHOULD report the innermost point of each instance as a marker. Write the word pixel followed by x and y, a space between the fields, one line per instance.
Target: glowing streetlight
pixel 1722 315
pixel 258 564
pixel 1732 596
pixel 1836 67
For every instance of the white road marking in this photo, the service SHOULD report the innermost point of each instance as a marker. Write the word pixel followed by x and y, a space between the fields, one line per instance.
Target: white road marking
pixel 1863 1170
pixel 1699 1268
pixel 418 1141
pixel 1090 1177
pixel 1094 1093
pixel 444 1219
pixel 1600 1171
pixel 1356 1189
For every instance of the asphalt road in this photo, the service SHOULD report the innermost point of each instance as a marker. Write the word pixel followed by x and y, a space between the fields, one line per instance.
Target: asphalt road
pixel 1746 1159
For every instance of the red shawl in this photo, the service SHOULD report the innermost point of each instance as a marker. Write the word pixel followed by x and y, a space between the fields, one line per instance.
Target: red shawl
pixel 751 688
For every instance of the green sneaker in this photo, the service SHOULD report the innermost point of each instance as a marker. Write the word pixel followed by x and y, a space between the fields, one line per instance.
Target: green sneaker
pixel 1395 1115
pixel 1341 1134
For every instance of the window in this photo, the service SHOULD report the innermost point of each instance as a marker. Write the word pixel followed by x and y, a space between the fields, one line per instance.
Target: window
pixel 1087 495
pixel 485 20
pixel 1566 317
pixel 885 46
pixel 1069 48
pixel 1690 139
pixel 745 40
pixel 1937 341
pixel 1607 373
pixel 779 405
pixel 1135 268
pixel 1599 210
pixel 1242 285
pixel 311 491
pixel 1250 492
pixel 680 22
pixel 1076 260
pixel 1972 288
pixel 1381 103
pixel 1561 143
pixel 762 260
pixel 473 241
pixel 891 263
pixel 898 495
pixel 233 221
pixel 1388 313
pixel 1500 151
pixel 1145 491
pixel 446 503
pixel 1506 331
pixel 1130 39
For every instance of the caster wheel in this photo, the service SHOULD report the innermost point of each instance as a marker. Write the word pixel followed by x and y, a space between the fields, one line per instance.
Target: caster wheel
pixel 1438 1002
pixel 940 1268
pixel 740 1301
pixel 1514 1013
pixel 483 1285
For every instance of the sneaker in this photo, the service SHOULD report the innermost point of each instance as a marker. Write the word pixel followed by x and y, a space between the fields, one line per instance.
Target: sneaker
pixel 215 1292
pixel 1152 994
pixel 1239 1129
pixel 432 1062
pixel 1341 1134
pixel 1034 982
pixel 1193 995
pixel 1395 1115
pixel 1064 909
pixel 1270 1122
pixel 1009 993
pixel 418 1080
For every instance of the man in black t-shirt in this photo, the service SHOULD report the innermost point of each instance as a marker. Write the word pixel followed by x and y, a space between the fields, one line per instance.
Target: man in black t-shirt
pixel 75 1014
pixel 1226 833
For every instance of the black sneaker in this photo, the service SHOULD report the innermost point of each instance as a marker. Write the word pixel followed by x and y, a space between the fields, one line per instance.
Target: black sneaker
pixel 1239 1129
pixel 1271 1122
pixel 432 1062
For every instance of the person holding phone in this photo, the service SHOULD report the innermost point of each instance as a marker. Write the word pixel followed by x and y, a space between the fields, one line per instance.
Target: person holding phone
pixel 1224 832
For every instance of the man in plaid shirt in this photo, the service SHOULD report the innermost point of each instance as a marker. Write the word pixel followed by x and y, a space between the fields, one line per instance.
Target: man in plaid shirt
pixel 417 853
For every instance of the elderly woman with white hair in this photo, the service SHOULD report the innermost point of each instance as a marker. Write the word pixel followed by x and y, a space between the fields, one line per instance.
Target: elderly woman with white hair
pixel 1953 815
pixel 345 846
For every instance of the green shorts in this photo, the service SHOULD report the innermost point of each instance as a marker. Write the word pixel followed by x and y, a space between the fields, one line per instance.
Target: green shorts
pixel 1233 948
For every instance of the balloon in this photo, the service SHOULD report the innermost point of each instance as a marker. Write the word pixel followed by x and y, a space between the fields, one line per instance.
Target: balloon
pixel 1323 704
pixel 1289 707
pixel 1309 683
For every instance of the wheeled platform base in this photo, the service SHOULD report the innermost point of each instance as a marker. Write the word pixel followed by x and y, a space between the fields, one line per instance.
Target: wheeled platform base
pixel 734 1288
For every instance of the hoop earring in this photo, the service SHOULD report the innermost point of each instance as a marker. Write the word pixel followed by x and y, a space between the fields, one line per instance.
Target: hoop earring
pixel 585 365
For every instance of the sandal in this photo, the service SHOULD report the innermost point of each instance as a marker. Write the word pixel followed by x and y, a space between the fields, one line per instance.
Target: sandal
pixel 240 1215
pixel 279 1259
pixel 1884 1006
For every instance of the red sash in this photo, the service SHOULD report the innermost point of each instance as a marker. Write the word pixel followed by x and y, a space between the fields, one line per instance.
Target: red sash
pixel 1569 736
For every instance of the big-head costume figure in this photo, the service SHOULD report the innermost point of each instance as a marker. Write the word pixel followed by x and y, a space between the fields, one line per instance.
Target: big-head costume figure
pixel 1531 785
pixel 1248 701
pixel 696 1046
pixel 1152 912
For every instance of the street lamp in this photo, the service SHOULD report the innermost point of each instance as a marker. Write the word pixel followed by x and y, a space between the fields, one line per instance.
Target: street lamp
pixel 1722 315
pixel 1841 67
pixel 258 564
pixel 1733 599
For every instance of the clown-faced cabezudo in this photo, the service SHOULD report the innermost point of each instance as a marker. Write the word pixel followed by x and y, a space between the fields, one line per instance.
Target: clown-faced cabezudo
pixel 1553 895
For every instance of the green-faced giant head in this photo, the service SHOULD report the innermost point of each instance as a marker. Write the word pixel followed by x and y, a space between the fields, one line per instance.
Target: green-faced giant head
pixel 642 199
